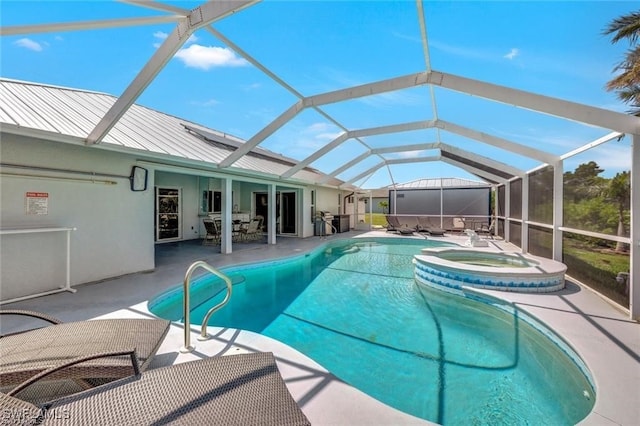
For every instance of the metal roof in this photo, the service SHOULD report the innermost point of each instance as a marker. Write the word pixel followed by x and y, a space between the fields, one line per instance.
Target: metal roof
pixel 74 113
pixel 438 183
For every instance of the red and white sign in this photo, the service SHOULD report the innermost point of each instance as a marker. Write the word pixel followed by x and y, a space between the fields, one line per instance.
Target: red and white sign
pixel 36 203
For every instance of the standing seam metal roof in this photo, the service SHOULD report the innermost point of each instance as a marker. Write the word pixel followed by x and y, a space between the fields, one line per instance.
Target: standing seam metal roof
pixel 75 113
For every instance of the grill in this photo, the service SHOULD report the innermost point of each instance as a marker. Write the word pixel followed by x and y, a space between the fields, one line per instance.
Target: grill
pixel 323 223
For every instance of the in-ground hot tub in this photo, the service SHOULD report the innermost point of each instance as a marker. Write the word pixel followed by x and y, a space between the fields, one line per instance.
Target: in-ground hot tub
pixel 454 268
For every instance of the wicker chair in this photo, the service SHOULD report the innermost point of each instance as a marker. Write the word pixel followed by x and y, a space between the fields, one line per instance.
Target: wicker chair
pixel 244 389
pixel 27 353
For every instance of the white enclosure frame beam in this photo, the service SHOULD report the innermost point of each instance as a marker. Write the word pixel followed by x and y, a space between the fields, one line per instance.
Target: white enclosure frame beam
pixel 482 160
pixel 199 17
pixel 345 166
pixel 369 89
pixel 392 161
pixel 157 6
pixel 395 128
pixel 367 172
pixel 88 25
pixel 317 154
pixel 545 104
pixel 516 148
pixel 600 141
pixel 406 148
pixel 267 131
pixel 478 172
pixel 379 151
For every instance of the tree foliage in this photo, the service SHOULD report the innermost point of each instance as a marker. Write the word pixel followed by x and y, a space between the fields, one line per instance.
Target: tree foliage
pixel 595 203
pixel 627 82
pixel 584 182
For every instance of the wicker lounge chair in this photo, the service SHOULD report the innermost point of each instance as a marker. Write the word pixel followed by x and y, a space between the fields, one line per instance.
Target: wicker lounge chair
pixel 27 353
pixel 244 389
pixel 426 226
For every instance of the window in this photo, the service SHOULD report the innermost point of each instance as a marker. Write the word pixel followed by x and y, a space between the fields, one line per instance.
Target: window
pixel 211 201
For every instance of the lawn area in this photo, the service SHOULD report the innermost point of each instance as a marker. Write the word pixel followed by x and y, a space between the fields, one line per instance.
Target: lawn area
pixel 598 269
pixel 378 219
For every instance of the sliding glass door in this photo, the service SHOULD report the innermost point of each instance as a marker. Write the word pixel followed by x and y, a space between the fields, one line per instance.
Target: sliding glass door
pixel 168 217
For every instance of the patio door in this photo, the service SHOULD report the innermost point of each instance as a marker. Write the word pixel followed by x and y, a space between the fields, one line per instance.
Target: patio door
pixel 168 214
pixel 286 210
pixel 288 213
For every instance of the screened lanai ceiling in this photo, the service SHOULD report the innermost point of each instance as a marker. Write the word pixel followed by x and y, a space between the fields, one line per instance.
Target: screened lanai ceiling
pixel 371 93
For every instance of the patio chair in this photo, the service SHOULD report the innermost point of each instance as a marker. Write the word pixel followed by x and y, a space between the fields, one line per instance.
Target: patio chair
pixel 26 353
pixel 393 224
pixel 425 224
pixel 459 224
pixel 245 389
pixel 486 229
pixel 212 227
pixel 254 230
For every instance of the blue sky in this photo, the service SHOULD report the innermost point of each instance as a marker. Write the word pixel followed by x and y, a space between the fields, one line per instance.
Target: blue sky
pixel 550 48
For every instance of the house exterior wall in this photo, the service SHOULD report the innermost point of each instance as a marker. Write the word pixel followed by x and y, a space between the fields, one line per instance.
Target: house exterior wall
pixel 114 226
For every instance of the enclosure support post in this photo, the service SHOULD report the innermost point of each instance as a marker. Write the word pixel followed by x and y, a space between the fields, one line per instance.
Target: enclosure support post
pixel 271 227
pixel 634 255
pixel 227 202
pixel 524 239
pixel 558 204
pixel 507 211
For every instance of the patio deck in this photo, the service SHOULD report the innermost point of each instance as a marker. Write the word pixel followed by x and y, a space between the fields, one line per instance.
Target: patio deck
pixel 601 333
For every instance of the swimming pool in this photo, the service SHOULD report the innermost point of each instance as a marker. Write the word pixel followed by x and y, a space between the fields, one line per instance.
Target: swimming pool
pixel 353 307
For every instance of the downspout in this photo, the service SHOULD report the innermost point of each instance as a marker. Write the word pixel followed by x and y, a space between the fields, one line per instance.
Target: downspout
pixel 344 203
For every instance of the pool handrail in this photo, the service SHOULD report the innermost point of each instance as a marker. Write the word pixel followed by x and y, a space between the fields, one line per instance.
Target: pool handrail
pixel 185 305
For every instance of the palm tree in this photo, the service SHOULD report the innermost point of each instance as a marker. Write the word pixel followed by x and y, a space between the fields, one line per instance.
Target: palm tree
pixel 627 83
pixel 619 192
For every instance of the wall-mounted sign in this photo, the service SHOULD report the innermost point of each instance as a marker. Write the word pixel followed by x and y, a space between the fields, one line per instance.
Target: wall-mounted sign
pixel 37 203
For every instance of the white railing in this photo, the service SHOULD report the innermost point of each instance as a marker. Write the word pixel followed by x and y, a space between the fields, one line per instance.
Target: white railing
pixel 67 286
pixel 186 302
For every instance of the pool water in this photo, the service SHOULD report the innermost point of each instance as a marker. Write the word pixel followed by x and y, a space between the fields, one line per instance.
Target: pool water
pixel 354 308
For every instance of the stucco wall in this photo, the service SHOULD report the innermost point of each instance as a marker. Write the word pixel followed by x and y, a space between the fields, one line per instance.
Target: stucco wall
pixel 114 233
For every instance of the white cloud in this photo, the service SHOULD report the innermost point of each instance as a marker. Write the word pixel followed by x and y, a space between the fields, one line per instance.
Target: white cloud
pixel 471 53
pixel 207 57
pixel 512 53
pixel 208 103
pixel 252 86
pixel 160 35
pixel 27 43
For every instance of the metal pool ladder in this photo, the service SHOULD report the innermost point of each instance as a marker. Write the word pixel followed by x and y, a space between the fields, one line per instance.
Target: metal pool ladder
pixel 185 306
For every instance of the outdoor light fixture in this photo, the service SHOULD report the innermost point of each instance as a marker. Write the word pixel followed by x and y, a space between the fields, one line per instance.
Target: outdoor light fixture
pixel 138 178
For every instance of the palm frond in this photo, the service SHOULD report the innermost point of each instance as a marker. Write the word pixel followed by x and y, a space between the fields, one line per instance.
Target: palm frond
pixel 626 26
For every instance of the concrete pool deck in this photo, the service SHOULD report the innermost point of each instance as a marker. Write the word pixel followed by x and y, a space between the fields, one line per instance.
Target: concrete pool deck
pixel 602 334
